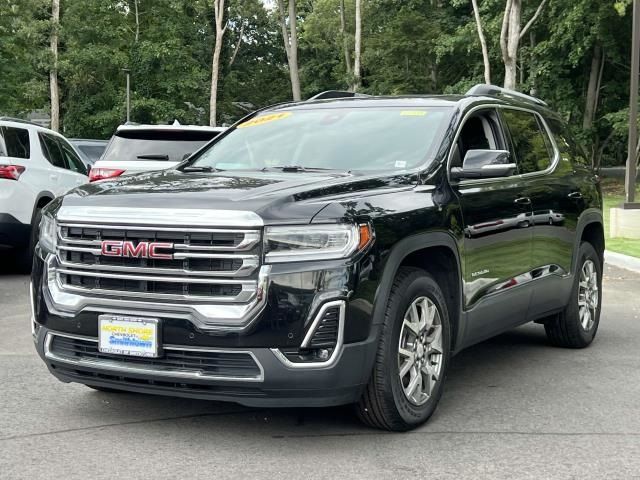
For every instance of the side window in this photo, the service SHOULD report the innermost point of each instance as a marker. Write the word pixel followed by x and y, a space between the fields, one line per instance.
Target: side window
pixel 567 144
pixel 480 131
pixel 16 141
pixel 51 150
pixel 532 147
pixel 72 160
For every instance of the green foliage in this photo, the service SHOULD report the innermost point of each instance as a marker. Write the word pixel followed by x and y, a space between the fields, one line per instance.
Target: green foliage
pixel 409 47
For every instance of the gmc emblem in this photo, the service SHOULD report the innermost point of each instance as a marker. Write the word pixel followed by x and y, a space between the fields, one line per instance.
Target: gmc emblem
pixel 126 248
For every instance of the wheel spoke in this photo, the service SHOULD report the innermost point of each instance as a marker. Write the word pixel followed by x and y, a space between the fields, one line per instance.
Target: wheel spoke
pixel 415 382
pixel 406 367
pixel 413 327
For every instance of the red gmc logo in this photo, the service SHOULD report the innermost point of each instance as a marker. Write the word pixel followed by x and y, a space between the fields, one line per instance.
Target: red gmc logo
pixel 126 248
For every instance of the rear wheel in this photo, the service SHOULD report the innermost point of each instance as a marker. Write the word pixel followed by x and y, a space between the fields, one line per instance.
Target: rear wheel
pixel 577 325
pixel 413 355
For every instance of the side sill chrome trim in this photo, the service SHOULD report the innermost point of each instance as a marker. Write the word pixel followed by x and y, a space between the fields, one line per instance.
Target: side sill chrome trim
pixel 112 366
pixel 337 352
pixel 184 217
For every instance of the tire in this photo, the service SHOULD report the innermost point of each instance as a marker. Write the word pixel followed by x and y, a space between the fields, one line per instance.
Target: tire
pixel 24 259
pixel 384 403
pixel 572 328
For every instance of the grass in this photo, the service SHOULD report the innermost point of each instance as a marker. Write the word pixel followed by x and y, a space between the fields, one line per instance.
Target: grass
pixel 613 192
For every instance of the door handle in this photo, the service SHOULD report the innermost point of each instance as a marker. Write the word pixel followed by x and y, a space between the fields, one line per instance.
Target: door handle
pixel 575 195
pixel 522 201
pixel 53 176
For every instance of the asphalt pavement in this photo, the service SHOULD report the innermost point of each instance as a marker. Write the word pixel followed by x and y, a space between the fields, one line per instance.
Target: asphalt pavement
pixel 513 407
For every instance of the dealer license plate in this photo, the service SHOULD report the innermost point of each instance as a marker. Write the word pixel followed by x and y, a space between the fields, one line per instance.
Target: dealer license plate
pixel 132 336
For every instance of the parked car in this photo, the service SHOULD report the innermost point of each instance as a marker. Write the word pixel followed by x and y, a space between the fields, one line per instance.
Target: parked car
pixel 90 150
pixel 142 148
pixel 316 255
pixel 36 165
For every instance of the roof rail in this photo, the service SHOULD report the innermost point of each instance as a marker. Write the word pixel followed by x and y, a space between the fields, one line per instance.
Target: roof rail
pixel 485 89
pixel 19 120
pixel 336 94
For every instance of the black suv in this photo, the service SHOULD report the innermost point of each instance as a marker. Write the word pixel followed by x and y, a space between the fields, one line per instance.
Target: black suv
pixel 327 252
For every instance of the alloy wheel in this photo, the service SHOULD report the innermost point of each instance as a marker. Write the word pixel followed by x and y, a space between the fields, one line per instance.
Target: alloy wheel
pixel 420 353
pixel 588 295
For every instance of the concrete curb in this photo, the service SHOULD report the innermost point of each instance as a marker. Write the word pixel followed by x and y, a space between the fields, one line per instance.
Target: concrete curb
pixel 622 261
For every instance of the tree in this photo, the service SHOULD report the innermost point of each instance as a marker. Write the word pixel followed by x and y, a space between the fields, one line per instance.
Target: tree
pixel 53 72
pixel 510 36
pixel 483 43
pixel 290 38
pixel 345 39
pixel 357 73
pixel 218 8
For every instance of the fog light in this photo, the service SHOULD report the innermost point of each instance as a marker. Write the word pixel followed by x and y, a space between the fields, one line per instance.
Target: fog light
pixel 322 354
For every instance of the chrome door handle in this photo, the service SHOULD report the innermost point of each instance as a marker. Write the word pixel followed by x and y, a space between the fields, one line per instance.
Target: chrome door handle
pixel 575 195
pixel 522 201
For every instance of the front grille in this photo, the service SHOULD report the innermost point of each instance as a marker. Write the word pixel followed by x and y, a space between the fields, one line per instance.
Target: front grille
pixel 176 360
pixel 326 333
pixel 207 265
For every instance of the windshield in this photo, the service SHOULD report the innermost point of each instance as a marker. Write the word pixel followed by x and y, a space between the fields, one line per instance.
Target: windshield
pixel 381 138
pixel 159 145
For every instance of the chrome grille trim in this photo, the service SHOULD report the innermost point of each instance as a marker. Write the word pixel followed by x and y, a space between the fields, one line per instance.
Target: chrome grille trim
pixel 250 240
pixel 112 366
pixel 215 277
pixel 249 264
pixel 183 217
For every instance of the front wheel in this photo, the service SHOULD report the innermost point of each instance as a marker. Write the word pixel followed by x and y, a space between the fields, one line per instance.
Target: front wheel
pixel 576 326
pixel 413 355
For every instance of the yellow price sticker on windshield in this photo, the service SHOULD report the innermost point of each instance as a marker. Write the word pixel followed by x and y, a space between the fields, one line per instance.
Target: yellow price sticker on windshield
pixel 272 117
pixel 413 113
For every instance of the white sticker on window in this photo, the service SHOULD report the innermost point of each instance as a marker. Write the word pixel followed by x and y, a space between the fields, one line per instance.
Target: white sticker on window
pixel 401 163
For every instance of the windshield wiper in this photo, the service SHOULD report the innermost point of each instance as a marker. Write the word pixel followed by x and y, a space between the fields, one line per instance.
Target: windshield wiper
pixel 151 156
pixel 197 168
pixel 296 168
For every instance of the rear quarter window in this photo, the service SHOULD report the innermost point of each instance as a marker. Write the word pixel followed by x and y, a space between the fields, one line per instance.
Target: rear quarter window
pixel 532 147
pixel 16 142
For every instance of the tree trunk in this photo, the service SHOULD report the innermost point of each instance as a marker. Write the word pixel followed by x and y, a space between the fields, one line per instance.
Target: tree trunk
pixel 53 73
pixel 135 4
pixel 218 8
pixel 483 43
pixel 345 40
pixel 592 88
pixel 510 36
pixel 290 37
pixel 357 74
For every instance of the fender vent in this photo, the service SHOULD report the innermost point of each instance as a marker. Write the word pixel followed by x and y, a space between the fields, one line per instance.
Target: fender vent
pixel 326 334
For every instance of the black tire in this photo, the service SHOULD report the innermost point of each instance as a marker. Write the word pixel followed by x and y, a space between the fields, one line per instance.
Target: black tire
pixel 24 259
pixel 384 404
pixel 566 329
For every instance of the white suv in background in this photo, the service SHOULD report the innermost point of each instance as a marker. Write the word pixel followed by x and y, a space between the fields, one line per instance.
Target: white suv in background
pixel 142 148
pixel 36 165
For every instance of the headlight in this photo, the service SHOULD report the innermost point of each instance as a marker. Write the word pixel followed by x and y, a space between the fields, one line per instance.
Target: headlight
pixel 48 234
pixel 314 242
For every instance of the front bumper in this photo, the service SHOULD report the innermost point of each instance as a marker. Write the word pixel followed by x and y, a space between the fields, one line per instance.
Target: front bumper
pixel 296 297
pixel 278 385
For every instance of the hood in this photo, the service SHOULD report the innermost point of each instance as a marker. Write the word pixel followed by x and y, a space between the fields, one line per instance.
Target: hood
pixel 278 197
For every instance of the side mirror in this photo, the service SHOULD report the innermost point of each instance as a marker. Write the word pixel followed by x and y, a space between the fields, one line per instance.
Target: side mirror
pixel 485 164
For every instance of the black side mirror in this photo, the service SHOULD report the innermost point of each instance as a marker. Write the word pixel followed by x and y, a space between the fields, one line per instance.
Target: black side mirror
pixel 485 164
